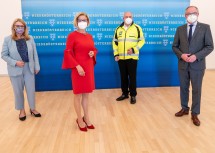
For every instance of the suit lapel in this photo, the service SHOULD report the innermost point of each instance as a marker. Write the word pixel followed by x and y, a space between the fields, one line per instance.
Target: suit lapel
pixel 184 30
pixel 14 50
pixel 14 45
pixel 197 29
pixel 28 42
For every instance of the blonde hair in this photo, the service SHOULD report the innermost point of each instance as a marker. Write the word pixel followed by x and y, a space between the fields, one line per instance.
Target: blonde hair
pixel 25 34
pixel 75 22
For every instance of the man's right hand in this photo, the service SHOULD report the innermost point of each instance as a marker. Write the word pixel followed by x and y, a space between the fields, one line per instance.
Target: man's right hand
pixel 116 58
pixel 20 63
pixel 185 57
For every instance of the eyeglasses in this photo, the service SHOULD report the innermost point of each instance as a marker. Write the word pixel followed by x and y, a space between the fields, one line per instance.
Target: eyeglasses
pixel 195 13
pixel 19 26
pixel 82 20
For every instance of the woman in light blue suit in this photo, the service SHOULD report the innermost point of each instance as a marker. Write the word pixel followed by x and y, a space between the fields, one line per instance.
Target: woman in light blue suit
pixel 19 51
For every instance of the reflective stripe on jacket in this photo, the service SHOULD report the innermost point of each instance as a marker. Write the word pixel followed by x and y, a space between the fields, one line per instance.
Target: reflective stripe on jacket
pixel 125 39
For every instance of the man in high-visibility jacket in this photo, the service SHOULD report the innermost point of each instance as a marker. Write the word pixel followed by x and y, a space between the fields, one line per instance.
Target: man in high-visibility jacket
pixel 127 41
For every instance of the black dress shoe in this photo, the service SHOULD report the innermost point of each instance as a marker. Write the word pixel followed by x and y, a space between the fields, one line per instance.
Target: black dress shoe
pixel 22 118
pixel 133 100
pixel 122 97
pixel 35 115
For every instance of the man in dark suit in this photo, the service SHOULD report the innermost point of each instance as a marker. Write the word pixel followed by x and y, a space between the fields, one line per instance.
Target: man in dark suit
pixel 192 43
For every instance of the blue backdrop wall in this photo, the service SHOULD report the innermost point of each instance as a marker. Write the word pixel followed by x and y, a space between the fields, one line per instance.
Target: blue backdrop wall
pixel 50 21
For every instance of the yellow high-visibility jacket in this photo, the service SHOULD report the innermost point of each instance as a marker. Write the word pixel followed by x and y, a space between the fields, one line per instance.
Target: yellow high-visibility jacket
pixel 125 39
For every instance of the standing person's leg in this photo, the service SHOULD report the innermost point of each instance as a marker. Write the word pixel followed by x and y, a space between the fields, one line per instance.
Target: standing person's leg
pixel 85 105
pixel 18 87
pixel 196 81
pixel 184 88
pixel 132 72
pixel 124 79
pixel 29 80
pixel 124 76
pixel 184 77
pixel 77 105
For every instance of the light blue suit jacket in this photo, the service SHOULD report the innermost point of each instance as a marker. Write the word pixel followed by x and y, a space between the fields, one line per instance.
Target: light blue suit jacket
pixel 11 55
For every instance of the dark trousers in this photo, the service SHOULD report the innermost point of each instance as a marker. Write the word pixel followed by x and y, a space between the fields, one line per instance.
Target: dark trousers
pixel 195 77
pixel 128 70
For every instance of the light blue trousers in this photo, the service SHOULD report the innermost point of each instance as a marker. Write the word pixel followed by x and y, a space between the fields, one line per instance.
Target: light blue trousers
pixel 26 80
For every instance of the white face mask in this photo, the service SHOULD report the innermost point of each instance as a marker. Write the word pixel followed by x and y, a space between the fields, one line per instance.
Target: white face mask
pixel 192 18
pixel 82 25
pixel 128 20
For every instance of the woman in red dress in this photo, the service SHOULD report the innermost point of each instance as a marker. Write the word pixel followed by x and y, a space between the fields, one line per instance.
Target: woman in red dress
pixel 80 57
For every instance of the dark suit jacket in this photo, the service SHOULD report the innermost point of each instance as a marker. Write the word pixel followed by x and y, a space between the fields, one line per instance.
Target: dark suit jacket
pixel 201 45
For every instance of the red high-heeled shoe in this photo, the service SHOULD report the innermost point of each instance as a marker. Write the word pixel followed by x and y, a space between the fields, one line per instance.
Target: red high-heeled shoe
pixel 88 126
pixel 82 129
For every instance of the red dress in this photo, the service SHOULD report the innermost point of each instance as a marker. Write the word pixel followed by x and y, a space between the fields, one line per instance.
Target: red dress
pixel 77 50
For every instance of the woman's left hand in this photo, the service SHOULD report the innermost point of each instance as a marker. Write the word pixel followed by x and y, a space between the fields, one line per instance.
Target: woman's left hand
pixel 91 54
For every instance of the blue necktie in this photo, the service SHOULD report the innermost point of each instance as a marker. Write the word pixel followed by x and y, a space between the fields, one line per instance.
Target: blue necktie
pixel 190 33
